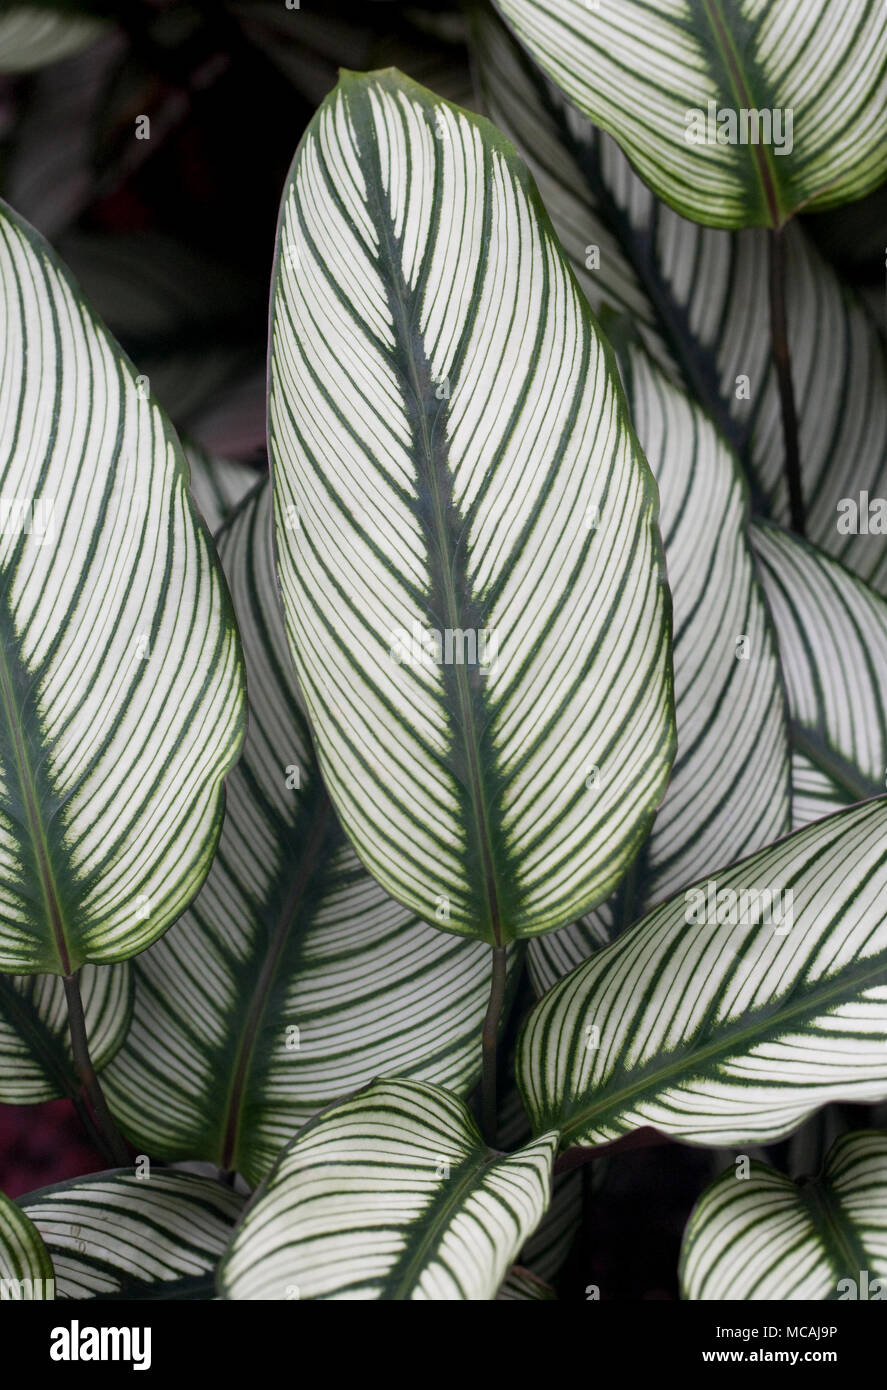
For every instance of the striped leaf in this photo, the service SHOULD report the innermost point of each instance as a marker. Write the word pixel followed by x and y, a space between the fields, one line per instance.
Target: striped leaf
pixel 698 297
pixel 733 1031
pixel 35 1051
pixel 832 633
pixel 120 680
pixel 26 1272
pixel 729 705
pixel 392 1195
pixel 766 1237
pixel 737 115
pixel 549 1246
pixel 115 1235
pixel 466 527
pixel 293 979
pixel 31 36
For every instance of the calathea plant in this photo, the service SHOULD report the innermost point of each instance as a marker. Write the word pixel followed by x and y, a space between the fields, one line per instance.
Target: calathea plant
pixel 505 775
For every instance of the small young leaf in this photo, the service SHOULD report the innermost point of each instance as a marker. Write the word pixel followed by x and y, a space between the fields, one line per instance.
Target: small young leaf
pixel 755 1234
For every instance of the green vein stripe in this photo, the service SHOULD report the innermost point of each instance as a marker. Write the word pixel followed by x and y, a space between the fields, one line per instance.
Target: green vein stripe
pixel 118 1234
pixel 302 1000
pixel 442 416
pixel 638 69
pixel 778 1021
pixel 766 1237
pixel 391 1194
pixel 121 679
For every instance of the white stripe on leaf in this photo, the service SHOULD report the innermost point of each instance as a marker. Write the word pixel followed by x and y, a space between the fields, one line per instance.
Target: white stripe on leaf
pixel 121 699
pixel 263 1004
pixel 451 454
pixel 726 1019
pixel 755 1234
pixel 736 115
pixel 391 1195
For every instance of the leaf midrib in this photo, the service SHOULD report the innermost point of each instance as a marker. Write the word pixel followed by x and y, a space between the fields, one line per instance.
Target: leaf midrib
pixel 452 611
pixel 36 827
pixel 761 160
pixel 845 775
pixel 846 1257
pixel 728 1045
pixel 442 1212
pixel 259 999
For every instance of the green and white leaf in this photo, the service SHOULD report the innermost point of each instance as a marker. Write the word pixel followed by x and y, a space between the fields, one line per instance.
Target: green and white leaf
pixel 391 1195
pixel 728 1033
pixel 698 298
pixel 293 979
pixel 121 699
pixel 549 1246
pixel 36 1063
pixel 729 705
pixel 445 427
pixel 642 69
pixel 832 633
pixel 32 36
pixel 766 1237
pixel 115 1235
pixel 26 1272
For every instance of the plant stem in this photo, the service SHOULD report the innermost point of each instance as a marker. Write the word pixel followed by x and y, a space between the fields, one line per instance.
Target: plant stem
pixel 91 1128
pixel 79 1045
pixel 490 1039
pixel 782 362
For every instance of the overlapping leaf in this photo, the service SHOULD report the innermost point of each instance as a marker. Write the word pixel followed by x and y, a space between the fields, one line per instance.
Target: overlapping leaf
pixel 392 1195
pixel 804 84
pixel 293 979
pixel 118 1235
pixel 549 1246
pixel 729 705
pixel 35 1051
pixel 832 634
pixel 726 1016
pixel 766 1237
pixel 465 525
pixel 698 298
pixel 120 679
